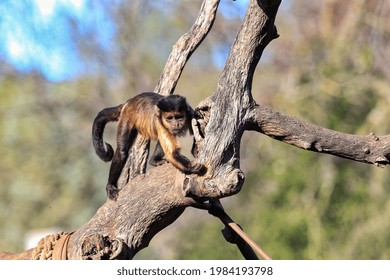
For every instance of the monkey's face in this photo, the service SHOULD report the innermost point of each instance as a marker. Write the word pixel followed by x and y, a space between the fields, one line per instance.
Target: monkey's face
pixel 175 122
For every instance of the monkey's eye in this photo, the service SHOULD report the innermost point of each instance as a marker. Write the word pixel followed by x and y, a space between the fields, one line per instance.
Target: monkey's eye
pixel 169 118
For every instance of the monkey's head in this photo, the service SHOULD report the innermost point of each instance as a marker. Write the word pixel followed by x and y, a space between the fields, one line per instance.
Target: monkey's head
pixel 175 114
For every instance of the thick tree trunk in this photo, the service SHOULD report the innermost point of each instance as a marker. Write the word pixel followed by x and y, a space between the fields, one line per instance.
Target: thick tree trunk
pixel 225 112
pixel 145 206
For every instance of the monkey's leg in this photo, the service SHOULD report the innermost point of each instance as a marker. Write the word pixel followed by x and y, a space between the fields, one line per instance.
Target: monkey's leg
pixel 125 139
pixel 158 156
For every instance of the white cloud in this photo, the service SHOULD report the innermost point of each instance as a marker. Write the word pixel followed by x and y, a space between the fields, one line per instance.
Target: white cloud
pixel 15 48
pixel 46 7
pixel 77 4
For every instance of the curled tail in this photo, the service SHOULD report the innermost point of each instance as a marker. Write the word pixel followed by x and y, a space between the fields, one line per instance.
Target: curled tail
pixel 104 116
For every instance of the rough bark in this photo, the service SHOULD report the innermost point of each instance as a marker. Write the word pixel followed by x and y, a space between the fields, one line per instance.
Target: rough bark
pixel 145 206
pixel 225 111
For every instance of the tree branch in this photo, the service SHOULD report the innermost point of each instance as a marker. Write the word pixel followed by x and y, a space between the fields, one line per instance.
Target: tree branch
pixel 185 47
pixel 367 149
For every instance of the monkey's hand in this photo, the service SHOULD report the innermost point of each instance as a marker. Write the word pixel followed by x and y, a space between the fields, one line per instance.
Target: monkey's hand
pixel 196 168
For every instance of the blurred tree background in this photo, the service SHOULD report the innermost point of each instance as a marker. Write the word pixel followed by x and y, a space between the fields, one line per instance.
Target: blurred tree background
pixel 330 67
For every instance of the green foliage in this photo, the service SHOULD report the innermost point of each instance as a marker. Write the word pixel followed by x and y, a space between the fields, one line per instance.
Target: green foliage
pixel 44 130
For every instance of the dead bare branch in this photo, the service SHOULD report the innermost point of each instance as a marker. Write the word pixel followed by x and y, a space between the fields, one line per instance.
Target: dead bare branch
pixel 366 149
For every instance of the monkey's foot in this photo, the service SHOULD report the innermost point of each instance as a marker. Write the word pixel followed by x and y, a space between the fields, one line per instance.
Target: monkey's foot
pixel 112 192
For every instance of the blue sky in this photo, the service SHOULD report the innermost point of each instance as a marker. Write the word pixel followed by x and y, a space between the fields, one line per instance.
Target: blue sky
pixel 36 34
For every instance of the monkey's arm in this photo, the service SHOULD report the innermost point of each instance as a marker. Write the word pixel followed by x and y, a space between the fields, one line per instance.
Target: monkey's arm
pixel 171 149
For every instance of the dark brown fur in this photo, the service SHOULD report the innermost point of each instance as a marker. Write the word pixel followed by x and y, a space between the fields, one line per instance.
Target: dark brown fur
pixel 157 117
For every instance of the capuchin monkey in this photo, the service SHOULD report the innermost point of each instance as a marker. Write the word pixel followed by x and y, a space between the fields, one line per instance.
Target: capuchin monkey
pixel 158 117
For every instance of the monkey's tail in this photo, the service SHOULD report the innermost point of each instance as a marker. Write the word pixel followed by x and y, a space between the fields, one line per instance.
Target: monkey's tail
pixel 104 116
